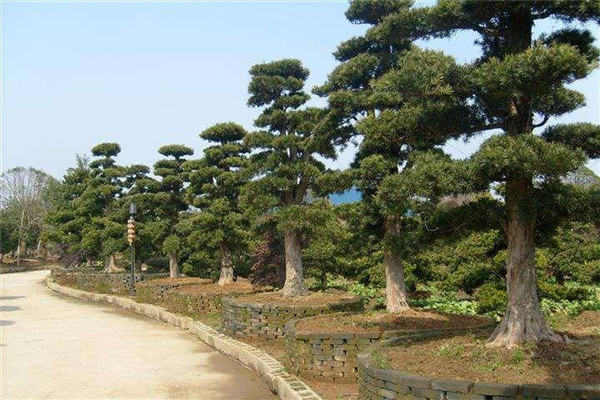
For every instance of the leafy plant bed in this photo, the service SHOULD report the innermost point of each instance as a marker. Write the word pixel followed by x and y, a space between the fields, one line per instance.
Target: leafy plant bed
pixel 196 300
pixel 466 357
pixel 325 347
pixel 263 315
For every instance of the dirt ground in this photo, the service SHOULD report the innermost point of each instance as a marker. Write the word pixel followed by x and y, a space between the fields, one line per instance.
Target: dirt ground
pixel 381 321
pixel 465 356
pixel 312 299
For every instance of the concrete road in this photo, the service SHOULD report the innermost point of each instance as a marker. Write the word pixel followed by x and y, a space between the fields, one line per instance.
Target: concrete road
pixel 54 347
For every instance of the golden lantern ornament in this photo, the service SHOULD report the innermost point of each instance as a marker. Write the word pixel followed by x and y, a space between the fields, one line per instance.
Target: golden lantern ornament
pixel 131 231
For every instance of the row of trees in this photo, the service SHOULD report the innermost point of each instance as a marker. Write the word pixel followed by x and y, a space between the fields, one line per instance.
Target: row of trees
pixel 405 102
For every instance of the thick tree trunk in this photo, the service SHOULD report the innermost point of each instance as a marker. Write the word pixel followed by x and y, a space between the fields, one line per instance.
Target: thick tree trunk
pixel 90 262
pixel 294 275
pixel 173 266
pixel 395 287
pixel 396 299
pixel 226 266
pixel 524 321
pixel 111 265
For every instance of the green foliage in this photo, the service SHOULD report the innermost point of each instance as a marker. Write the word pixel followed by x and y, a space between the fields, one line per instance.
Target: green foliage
pixel 490 299
pixel 215 184
pixel 446 302
pixel 584 136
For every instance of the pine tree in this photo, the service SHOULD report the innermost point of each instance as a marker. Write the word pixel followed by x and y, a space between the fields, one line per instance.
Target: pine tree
pixel 104 234
pixel 169 202
pixel 394 126
pixel 65 222
pixel 215 183
pixel 284 154
pixel 517 85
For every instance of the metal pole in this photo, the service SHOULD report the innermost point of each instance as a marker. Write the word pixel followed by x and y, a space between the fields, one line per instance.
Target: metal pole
pixel 132 287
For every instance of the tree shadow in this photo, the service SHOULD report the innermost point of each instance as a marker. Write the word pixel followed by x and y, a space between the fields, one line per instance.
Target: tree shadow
pixel 11 297
pixel 10 308
pixel 4 322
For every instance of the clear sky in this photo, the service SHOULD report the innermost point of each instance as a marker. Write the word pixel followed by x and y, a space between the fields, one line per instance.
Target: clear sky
pixel 149 74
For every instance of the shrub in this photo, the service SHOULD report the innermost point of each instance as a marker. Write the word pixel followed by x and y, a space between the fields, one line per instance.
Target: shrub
pixel 490 299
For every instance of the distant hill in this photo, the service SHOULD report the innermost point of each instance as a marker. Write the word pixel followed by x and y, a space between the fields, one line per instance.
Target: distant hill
pixel 349 196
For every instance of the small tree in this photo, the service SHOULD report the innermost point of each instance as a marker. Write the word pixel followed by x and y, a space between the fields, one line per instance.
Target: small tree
pixel 66 222
pixel 104 235
pixel 284 153
pixel 169 202
pixel 215 183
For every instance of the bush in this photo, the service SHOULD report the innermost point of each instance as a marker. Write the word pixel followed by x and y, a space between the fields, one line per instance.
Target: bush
pixel 490 299
pixel 556 292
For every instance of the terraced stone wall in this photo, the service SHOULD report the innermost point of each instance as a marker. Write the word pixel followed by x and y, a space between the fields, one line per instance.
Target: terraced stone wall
pixel 155 292
pixel 98 282
pixel 386 384
pixel 265 321
pixel 325 356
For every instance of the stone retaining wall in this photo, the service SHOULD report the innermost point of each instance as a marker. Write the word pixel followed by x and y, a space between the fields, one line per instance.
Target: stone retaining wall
pixel 193 304
pixel 155 292
pixel 330 356
pixel 264 321
pixel 100 282
pixel 386 384
pixel 325 356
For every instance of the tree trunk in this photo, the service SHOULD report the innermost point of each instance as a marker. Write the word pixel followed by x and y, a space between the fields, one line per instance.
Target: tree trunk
pixel 294 276
pixel 90 262
pixel 226 266
pixel 395 287
pixel 173 266
pixel 111 265
pixel 1 258
pixel 524 321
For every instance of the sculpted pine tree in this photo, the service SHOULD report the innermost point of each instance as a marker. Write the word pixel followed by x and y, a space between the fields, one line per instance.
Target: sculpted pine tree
pixel 169 202
pixel 516 86
pixel 104 235
pixel 393 125
pixel 284 154
pixel 215 183
pixel 66 222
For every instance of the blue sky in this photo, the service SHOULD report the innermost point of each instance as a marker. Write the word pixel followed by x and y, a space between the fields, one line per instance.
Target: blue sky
pixel 148 74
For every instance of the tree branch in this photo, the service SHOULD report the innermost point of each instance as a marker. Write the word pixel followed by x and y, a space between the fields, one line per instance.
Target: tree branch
pixel 546 118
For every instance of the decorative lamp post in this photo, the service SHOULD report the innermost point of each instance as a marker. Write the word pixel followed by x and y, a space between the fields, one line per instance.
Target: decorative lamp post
pixel 131 240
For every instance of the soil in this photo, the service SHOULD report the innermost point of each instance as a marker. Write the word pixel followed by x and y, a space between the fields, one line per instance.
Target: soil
pixel 236 287
pixel 381 321
pixel 312 299
pixel 180 281
pixel 464 356
pixel 334 391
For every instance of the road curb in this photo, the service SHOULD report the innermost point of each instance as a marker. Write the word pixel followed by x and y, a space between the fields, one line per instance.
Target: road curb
pixel 285 385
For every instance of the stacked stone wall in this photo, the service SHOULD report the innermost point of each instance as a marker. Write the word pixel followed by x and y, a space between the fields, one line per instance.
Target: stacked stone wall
pixel 266 321
pixel 155 292
pixel 331 356
pixel 100 282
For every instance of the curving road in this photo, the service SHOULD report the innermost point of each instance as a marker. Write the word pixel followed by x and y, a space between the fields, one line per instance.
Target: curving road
pixel 54 347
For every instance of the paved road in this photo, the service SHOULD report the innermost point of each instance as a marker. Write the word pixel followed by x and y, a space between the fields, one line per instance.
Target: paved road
pixel 54 347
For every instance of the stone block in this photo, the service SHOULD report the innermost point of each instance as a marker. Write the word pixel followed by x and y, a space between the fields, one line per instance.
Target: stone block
pixel 495 389
pixel 450 385
pixel 548 391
